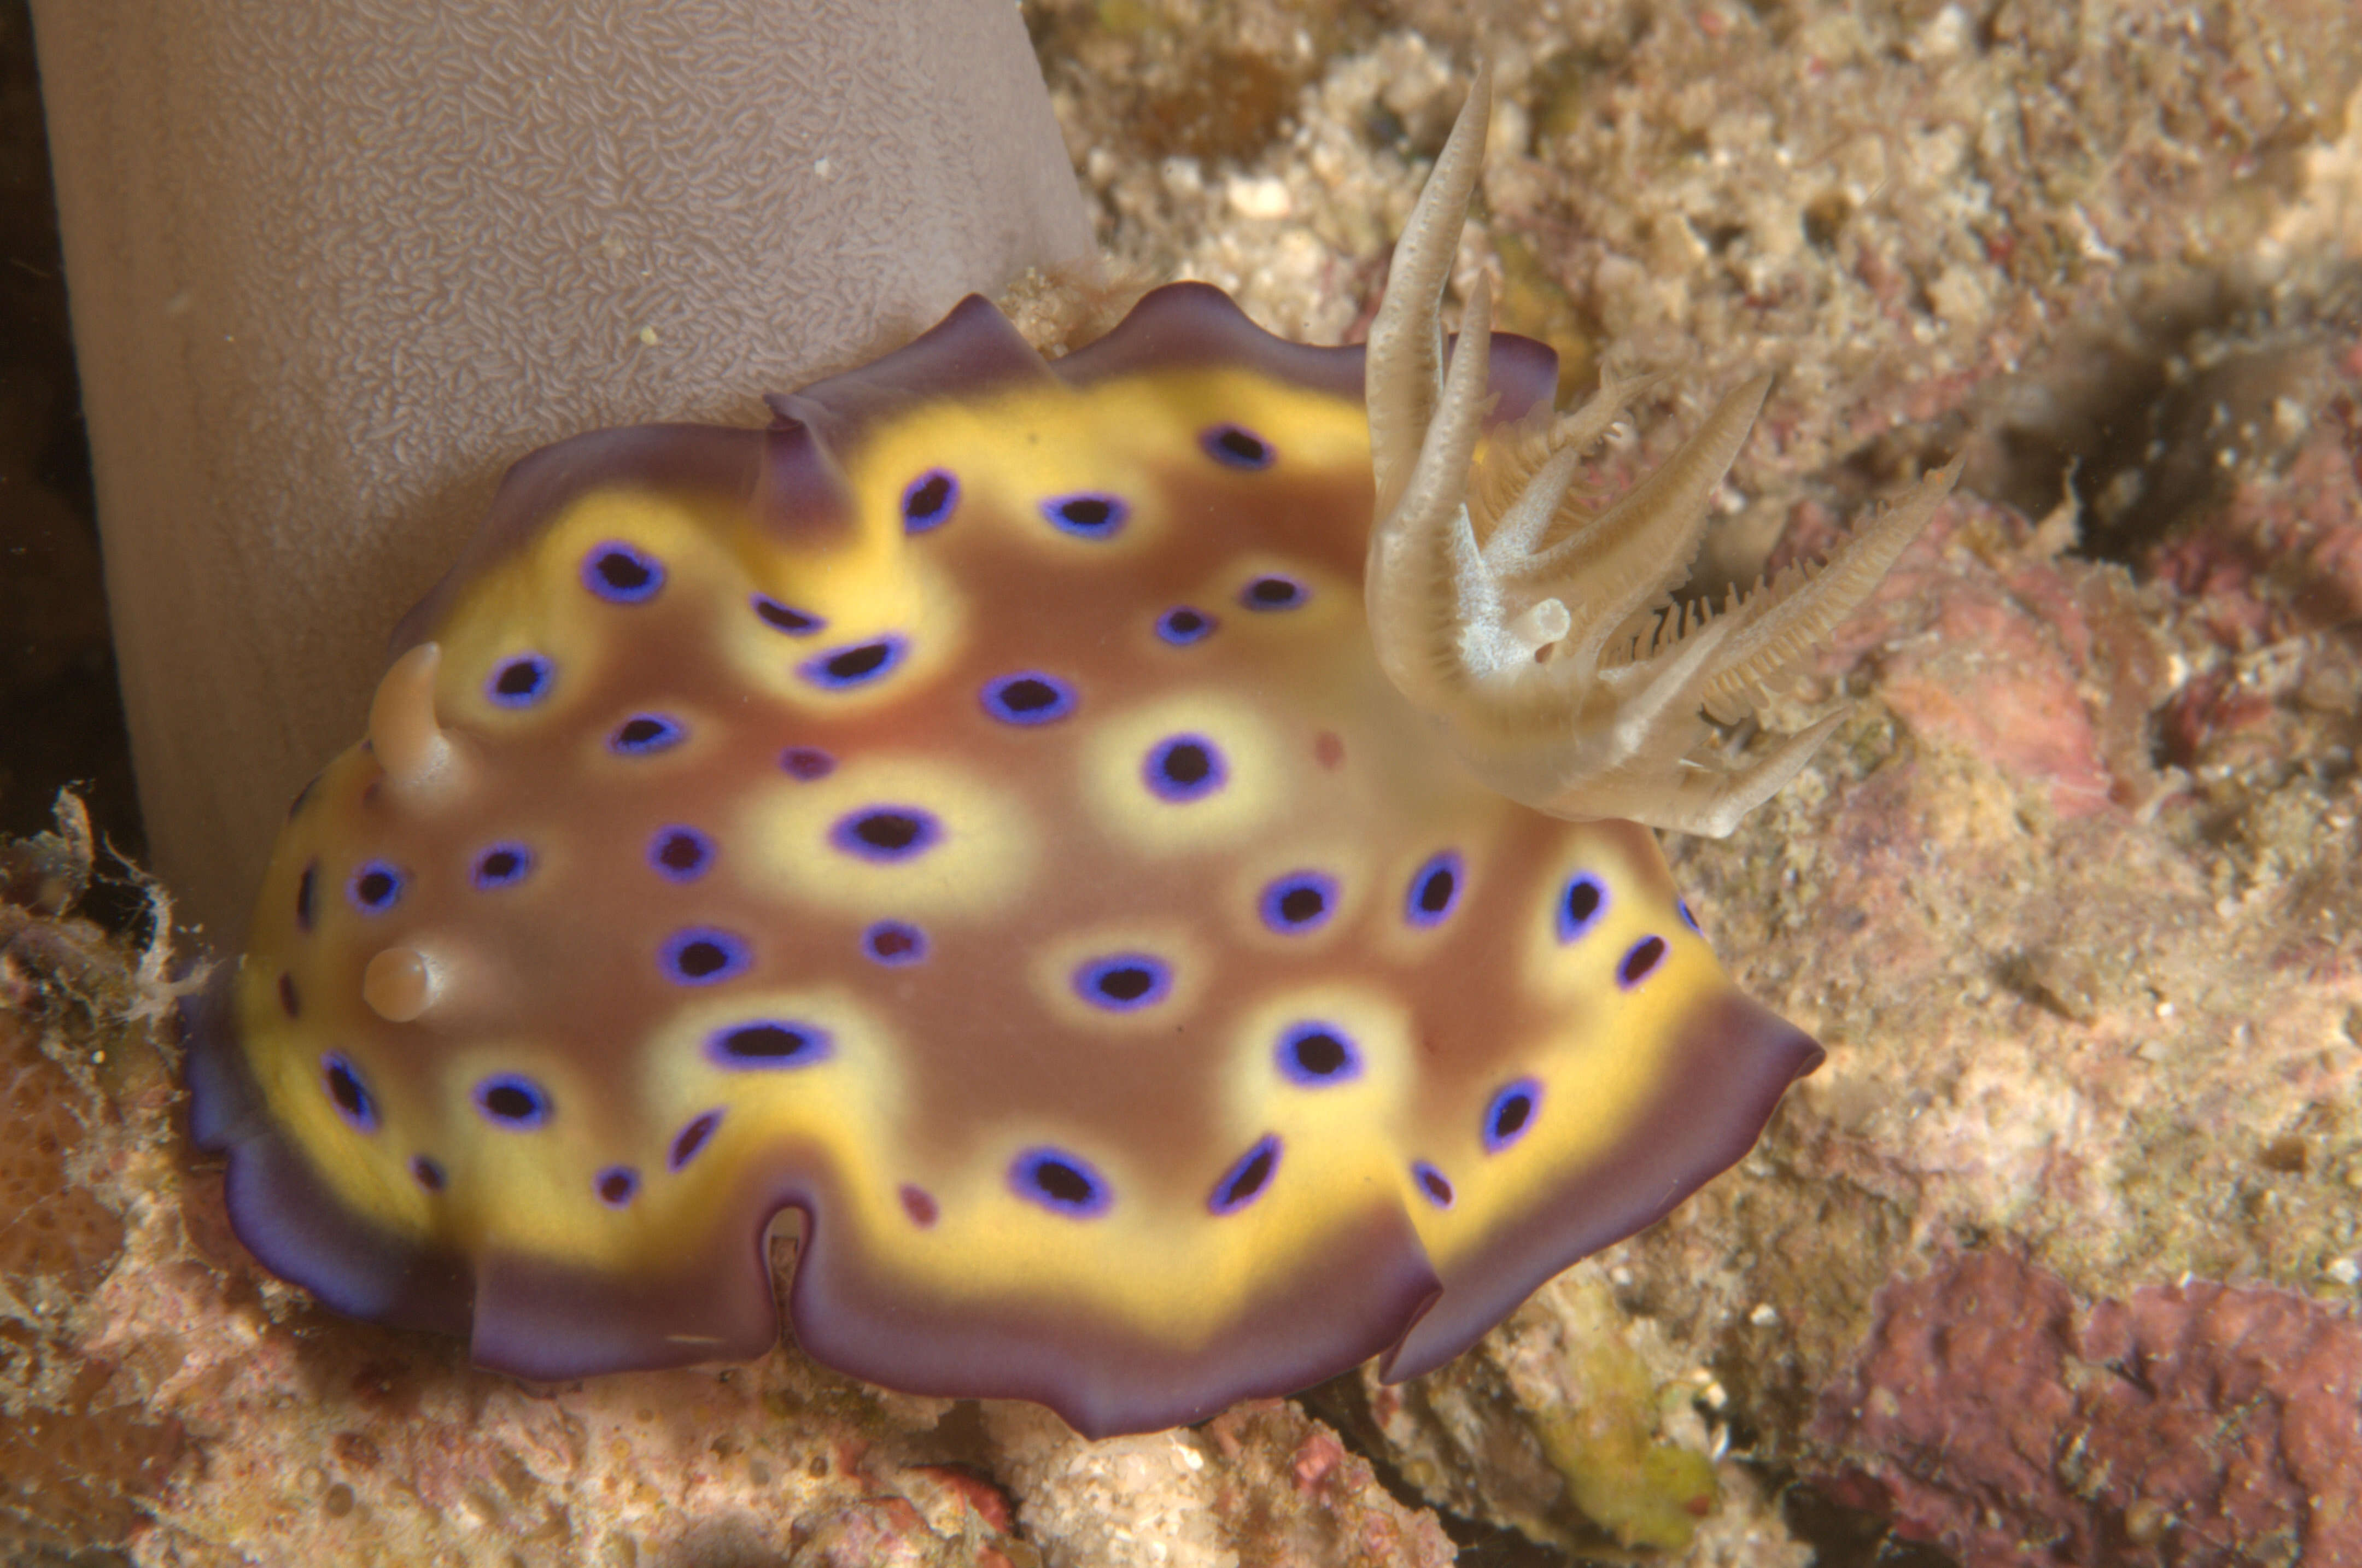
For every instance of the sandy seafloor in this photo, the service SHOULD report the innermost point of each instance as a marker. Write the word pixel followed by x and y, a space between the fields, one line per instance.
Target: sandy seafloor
pixel 2056 1260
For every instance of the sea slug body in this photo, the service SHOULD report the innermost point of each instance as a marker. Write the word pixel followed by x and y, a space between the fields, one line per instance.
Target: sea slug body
pixel 1149 855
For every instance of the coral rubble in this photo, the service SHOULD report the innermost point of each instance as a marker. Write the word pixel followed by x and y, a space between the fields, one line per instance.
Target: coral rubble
pixel 2188 1424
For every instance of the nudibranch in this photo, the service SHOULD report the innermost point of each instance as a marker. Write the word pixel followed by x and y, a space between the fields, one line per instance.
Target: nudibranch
pixel 1166 936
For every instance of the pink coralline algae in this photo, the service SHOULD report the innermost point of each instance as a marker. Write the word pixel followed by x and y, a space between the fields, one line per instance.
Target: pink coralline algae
pixel 2044 665
pixel 2191 1425
pixel 2286 556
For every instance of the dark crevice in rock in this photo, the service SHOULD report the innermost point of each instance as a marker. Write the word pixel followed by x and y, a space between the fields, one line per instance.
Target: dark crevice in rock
pixel 2147 422
pixel 1342 1403
pixel 1844 1537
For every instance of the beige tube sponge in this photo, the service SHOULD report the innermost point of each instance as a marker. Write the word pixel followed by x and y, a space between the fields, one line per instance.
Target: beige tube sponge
pixel 333 266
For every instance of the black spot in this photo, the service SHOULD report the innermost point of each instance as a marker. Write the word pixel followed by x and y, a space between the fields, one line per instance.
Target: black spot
pixel 1321 1053
pixel 427 1174
pixel 890 832
pixel 501 865
pixel 1062 1183
pixel 1580 910
pixel 1029 695
pixel 616 1186
pixel 692 1138
pixel 1182 768
pixel 519 678
pixel 345 1089
pixel 920 1205
pixel 765 1043
pixel 1236 448
pixel 1090 515
pixel 927 504
pixel 1641 961
pixel 1434 889
pixel 1123 982
pixel 1511 1113
pixel 1274 593
pixel 622 575
pixel 786 617
pixel 511 1102
pixel 1439 1186
pixel 703 954
pixel 1298 902
pixel 1246 1179
pixel 307 888
pixel 1029 698
pixel 289 1002
pixel 645 732
pixel 856 664
pixel 1129 983
pixel 895 942
pixel 681 853
pixel 377 887
pixel 628 575
pixel 701 958
pixel 1314 1055
pixel 1187 763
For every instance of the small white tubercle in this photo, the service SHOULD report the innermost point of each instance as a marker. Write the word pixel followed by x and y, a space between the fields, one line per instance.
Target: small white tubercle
pixel 422 762
pixel 400 983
